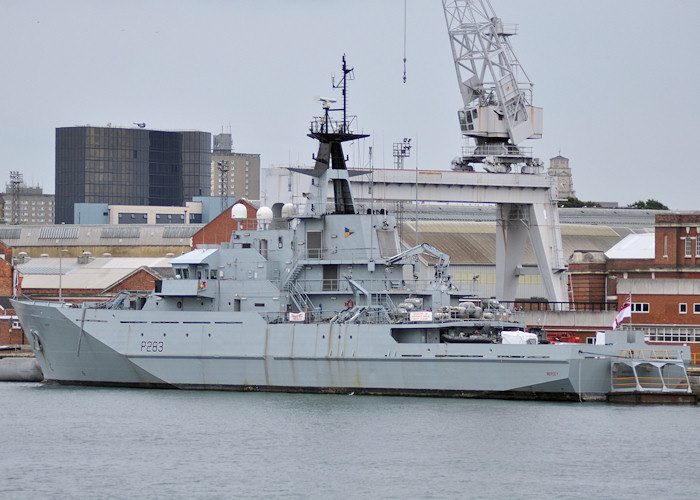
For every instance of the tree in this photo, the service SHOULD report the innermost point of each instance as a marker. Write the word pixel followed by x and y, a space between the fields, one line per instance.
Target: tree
pixel 573 202
pixel 650 204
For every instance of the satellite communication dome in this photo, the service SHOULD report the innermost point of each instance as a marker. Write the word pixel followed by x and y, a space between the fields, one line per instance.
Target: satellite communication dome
pixel 264 214
pixel 288 210
pixel 239 211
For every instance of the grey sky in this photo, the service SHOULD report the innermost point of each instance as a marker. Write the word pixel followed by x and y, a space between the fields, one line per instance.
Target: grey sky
pixel 617 81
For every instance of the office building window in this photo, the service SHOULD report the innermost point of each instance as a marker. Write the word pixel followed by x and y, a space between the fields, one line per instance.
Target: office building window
pixel 682 308
pixel 640 307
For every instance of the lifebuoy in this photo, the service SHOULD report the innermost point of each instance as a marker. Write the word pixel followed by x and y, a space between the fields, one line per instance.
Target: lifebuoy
pixel 349 304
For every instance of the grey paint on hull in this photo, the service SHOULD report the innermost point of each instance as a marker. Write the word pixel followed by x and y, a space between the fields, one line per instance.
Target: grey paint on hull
pixel 92 346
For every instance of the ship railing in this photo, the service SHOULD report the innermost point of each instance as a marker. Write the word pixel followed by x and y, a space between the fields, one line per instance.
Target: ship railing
pixel 300 299
pixel 496 322
pixel 294 270
pixel 374 286
pixel 248 224
pixel 315 315
pixel 364 207
pixel 497 150
pixel 650 354
pixel 355 255
pixel 545 305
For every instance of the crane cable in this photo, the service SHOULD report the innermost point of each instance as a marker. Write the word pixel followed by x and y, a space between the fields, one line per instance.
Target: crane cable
pixel 404 40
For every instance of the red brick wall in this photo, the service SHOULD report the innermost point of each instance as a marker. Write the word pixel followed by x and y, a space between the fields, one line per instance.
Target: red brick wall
pixel 587 281
pixel 672 227
pixel 141 280
pixel 663 309
pixel 4 249
pixel 9 335
pixel 5 279
pixel 219 230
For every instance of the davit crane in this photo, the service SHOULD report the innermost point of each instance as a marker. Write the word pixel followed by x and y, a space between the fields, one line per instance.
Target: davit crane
pixel 498 113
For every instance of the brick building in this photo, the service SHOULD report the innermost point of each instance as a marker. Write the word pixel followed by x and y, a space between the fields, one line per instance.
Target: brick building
pixel 72 280
pixel 87 278
pixel 10 331
pixel 660 270
pixel 220 228
pixel 28 205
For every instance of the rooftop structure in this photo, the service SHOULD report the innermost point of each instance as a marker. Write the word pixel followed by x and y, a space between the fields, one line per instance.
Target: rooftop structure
pixel 234 175
pixel 91 277
pixel 22 204
pixel 156 240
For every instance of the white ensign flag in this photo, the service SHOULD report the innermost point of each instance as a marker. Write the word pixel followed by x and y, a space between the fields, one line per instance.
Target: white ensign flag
pixel 624 312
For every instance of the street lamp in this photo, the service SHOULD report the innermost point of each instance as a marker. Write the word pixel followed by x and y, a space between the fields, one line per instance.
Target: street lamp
pixel 60 274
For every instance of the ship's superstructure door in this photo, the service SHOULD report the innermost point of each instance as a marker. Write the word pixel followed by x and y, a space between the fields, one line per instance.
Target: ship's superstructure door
pixel 314 244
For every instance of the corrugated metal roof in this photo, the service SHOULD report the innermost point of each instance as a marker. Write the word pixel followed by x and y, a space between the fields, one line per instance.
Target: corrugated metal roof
pixel 99 273
pixel 446 226
pixel 475 242
pixel 472 242
pixel 586 230
pixel 100 235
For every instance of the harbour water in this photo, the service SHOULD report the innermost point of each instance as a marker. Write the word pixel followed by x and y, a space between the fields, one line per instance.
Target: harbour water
pixel 79 442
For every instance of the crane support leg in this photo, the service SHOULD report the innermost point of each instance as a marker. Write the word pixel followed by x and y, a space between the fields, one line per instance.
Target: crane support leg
pixel 546 243
pixel 511 233
pixel 540 221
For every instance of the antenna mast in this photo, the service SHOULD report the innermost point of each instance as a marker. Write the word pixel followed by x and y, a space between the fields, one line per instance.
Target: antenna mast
pixel 330 167
pixel 16 181
pixel 223 170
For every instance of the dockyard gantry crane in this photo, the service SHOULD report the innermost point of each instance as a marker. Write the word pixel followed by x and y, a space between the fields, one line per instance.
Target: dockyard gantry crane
pixel 498 114
pixel 497 94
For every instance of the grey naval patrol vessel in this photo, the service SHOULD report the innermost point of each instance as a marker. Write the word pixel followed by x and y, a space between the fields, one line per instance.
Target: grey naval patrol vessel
pixel 327 301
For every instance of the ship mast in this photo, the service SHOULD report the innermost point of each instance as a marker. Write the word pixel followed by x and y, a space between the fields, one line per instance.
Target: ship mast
pixel 330 164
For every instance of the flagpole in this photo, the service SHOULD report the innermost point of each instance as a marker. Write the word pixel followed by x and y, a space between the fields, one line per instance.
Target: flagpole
pixel 630 300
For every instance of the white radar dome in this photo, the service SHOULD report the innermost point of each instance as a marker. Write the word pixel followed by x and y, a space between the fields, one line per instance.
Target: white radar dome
pixel 239 211
pixel 264 214
pixel 288 210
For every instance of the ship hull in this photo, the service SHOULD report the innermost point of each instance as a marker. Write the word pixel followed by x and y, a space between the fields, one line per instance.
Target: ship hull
pixel 239 351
